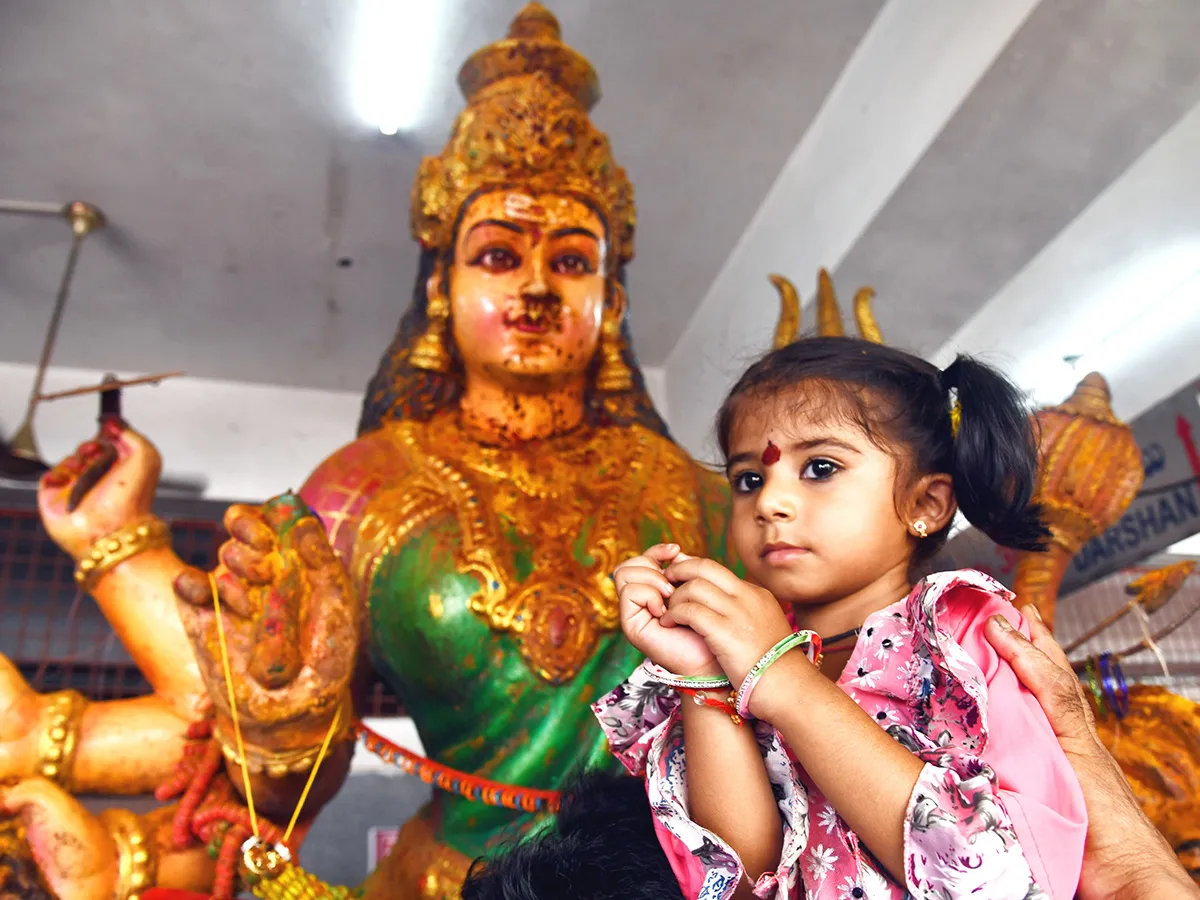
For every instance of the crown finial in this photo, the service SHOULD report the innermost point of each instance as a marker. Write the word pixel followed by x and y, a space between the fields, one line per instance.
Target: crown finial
pixel 534 46
pixel 535 22
pixel 1092 398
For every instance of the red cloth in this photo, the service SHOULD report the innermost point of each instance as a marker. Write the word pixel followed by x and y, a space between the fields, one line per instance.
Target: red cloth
pixel 169 894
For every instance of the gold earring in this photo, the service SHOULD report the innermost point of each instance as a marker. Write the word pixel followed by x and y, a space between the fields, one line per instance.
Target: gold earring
pixel 430 353
pixel 921 529
pixel 614 376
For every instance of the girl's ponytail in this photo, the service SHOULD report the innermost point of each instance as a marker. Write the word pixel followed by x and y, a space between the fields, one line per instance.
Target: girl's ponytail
pixel 994 456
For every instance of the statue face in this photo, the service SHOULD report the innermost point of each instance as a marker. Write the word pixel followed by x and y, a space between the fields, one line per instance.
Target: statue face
pixel 527 289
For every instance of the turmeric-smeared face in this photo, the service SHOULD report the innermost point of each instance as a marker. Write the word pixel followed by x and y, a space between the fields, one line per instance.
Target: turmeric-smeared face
pixel 527 289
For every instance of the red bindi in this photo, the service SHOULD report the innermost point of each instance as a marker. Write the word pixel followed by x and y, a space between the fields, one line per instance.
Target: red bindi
pixel 771 455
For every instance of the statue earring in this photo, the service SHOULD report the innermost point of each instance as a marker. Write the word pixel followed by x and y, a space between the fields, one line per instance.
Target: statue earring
pixel 921 529
pixel 614 376
pixel 429 352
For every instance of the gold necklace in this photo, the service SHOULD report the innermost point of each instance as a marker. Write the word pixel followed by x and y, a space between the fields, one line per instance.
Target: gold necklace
pixel 574 503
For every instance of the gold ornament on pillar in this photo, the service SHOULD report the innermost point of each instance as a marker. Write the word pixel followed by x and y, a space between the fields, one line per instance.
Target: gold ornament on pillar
pixel 614 376
pixel 431 352
pixel 1090 470
pixel 829 314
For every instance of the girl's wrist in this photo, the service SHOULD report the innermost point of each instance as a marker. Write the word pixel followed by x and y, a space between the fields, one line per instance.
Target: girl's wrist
pixel 778 686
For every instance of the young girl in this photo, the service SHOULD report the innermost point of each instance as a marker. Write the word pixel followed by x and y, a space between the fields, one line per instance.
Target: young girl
pixel 899 753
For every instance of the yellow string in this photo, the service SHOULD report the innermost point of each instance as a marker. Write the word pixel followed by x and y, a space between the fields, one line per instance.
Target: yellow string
pixel 312 776
pixel 237 728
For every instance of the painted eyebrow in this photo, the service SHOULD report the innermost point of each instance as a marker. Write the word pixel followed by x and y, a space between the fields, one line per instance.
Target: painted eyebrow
pixel 739 458
pixel 567 232
pixel 499 223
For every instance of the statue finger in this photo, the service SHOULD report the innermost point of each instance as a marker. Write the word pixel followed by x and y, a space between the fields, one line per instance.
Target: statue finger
pixel 250 565
pixel 277 657
pixel 193 588
pixel 97 465
pixel 333 627
pixel 312 544
pixel 243 516
pixel 67 469
pixel 234 594
pixel 249 527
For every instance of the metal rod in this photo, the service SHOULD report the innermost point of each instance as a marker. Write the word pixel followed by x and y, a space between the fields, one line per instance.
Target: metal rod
pixel 60 303
pixel 32 208
pixel 1103 626
pixel 1145 643
pixel 110 385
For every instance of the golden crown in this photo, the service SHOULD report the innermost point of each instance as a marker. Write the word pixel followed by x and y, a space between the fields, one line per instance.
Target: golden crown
pixel 829 314
pixel 525 126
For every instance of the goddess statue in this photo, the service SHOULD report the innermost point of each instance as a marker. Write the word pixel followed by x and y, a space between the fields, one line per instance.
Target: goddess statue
pixel 508 458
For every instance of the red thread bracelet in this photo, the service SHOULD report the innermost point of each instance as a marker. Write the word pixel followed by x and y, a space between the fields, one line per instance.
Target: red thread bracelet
pixel 704 697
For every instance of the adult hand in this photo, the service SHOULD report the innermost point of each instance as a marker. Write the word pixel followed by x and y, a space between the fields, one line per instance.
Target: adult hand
pixel 1125 857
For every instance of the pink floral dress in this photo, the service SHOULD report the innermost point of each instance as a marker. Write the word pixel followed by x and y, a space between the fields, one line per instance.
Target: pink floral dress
pixel 996 813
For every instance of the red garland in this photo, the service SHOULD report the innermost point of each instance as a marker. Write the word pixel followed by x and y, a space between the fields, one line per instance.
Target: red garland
pixel 209 811
pixel 472 787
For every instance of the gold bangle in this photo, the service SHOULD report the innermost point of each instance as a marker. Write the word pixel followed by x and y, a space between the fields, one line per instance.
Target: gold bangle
pixel 278 763
pixel 136 865
pixel 110 551
pixel 58 743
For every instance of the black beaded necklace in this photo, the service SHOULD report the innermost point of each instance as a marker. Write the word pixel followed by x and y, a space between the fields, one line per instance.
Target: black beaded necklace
pixel 837 638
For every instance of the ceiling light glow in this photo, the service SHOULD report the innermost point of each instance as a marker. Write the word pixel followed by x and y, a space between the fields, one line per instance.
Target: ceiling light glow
pixel 394 54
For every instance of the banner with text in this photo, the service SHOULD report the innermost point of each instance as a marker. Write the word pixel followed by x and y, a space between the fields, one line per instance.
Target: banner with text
pixel 1166 511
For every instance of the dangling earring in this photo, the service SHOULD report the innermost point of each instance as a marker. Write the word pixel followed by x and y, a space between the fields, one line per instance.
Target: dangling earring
pixel 613 376
pixel 430 353
pixel 921 529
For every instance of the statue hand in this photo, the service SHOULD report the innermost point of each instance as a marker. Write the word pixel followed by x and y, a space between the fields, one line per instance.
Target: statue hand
pixel 74 852
pixel 104 485
pixel 290 623
pixel 19 714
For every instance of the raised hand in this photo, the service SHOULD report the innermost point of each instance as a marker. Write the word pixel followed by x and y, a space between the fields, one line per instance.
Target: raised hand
pixel 644 593
pixel 107 483
pixel 71 848
pixel 290 620
pixel 739 621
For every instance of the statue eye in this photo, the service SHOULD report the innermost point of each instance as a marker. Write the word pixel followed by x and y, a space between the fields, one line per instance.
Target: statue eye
pixel 572 264
pixel 497 259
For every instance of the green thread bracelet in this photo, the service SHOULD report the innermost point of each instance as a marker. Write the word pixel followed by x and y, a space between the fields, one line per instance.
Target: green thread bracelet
pixel 769 658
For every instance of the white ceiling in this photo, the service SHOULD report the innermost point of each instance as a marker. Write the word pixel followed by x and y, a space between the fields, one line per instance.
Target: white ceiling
pixel 1015 177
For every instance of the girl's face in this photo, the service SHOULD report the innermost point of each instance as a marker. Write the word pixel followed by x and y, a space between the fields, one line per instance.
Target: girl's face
pixel 814 502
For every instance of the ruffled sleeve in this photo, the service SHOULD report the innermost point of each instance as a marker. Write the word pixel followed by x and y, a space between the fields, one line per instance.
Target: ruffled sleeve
pixel 997 811
pixel 642 721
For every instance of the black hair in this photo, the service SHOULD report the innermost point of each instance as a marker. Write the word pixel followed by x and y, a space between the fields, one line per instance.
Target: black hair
pixel 903 402
pixel 601 845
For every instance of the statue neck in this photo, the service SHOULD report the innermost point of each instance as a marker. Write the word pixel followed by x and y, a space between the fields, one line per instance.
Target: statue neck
pixel 493 415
